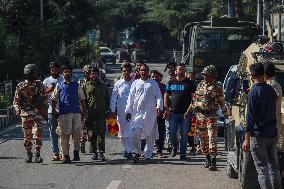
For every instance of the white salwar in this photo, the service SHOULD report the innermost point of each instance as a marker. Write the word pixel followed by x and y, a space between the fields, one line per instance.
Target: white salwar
pixel 118 102
pixel 144 99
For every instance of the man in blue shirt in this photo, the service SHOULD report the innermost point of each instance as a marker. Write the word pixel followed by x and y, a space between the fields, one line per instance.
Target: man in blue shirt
pixel 261 131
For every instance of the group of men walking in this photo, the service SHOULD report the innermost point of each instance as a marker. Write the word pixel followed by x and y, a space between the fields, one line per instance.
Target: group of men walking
pixel 141 102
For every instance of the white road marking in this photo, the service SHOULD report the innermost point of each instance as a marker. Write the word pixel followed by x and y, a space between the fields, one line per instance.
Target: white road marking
pixel 126 166
pixel 114 184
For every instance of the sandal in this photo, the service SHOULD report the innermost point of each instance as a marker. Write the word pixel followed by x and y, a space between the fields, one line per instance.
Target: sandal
pixel 56 157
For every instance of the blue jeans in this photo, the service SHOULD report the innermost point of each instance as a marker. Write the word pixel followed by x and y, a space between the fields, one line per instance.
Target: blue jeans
pixel 53 136
pixel 264 154
pixel 178 121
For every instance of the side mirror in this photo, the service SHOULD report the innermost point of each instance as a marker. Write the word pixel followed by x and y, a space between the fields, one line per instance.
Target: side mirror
pixel 231 89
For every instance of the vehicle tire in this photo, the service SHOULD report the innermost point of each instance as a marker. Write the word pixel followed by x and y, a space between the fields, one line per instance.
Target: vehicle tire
pixel 231 173
pixel 118 56
pixel 247 173
pixel 133 57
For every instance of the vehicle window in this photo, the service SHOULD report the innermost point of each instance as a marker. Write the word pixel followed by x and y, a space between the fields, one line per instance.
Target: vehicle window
pixel 207 41
pixel 237 40
pixel 76 76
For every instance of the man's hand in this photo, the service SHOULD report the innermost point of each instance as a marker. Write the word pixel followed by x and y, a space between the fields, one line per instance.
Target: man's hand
pixel 50 89
pixel 128 117
pixel 18 112
pixel 246 146
pixel 158 111
pixel 186 114
pixel 167 114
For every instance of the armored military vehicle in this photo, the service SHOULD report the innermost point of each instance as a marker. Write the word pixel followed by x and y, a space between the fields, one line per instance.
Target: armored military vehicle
pixel 236 87
pixel 218 42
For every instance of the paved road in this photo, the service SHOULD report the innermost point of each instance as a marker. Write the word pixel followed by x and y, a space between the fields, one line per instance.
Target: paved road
pixel 166 173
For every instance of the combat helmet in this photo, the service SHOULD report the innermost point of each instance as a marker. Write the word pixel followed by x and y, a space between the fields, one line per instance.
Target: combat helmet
pixel 29 68
pixel 86 68
pixel 210 70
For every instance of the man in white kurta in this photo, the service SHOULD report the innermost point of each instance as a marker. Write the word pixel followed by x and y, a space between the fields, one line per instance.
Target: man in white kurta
pixel 143 104
pixel 118 102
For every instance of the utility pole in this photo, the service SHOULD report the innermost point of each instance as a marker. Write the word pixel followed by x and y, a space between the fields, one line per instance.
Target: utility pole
pixel 266 17
pixel 259 13
pixel 231 11
pixel 41 10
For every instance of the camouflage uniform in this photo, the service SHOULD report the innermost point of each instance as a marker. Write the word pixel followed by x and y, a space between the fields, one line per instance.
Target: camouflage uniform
pixel 29 100
pixel 82 83
pixel 208 98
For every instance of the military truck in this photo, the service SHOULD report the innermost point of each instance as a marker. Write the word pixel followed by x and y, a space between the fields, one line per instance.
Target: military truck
pixel 218 42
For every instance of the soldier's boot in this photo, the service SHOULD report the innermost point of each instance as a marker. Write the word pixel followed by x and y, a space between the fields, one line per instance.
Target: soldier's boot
pixel 213 166
pixel 29 158
pixel 38 159
pixel 102 156
pixel 76 155
pixel 83 147
pixel 66 159
pixel 208 161
pixel 95 156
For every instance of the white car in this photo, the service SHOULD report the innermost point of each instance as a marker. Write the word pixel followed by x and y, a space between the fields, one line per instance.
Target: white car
pixel 107 55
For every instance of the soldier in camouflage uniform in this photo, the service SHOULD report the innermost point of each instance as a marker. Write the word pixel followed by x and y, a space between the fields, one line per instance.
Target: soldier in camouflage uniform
pixel 82 83
pixel 208 98
pixel 97 101
pixel 29 103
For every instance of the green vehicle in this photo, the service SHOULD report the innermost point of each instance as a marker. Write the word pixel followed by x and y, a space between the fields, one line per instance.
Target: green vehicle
pixel 218 42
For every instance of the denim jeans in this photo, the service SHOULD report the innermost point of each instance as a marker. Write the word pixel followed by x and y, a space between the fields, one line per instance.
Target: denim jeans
pixel 264 154
pixel 53 136
pixel 178 121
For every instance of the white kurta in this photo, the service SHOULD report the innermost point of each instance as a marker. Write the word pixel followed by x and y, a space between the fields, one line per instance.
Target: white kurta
pixel 118 100
pixel 144 98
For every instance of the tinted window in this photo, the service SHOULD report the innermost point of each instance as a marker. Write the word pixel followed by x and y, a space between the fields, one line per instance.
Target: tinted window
pixel 237 40
pixel 208 40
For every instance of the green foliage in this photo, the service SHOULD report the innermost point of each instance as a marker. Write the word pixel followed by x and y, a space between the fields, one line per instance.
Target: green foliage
pixel 24 38
pixel 173 14
pixel 5 101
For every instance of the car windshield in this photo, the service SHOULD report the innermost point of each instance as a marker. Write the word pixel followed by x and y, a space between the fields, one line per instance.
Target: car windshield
pixel 209 40
pixel 105 50
pixel 236 40
pixel 222 39
pixel 76 76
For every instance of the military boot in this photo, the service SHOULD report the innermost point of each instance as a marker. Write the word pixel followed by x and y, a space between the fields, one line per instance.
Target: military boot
pixel 83 148
pixel 66 159
pixel 213 166
pixel 76 155
pixel 29 158
pixel 208 161
pixel 38 159
pixel 102 156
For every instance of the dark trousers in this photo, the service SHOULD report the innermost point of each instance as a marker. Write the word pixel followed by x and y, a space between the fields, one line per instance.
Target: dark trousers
pixel 97 142
pixel 162 133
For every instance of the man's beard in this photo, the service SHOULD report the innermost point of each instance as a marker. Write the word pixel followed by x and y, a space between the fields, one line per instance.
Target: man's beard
pixel 55 76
